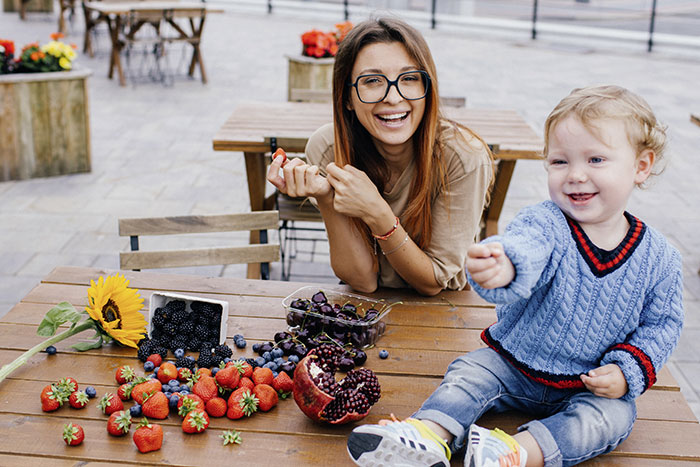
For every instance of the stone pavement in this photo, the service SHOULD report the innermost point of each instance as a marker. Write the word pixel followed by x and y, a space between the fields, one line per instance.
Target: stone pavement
pixel 152 152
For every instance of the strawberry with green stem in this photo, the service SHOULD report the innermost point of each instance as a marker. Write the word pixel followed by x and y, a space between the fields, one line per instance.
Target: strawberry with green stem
pixel 52 398
pixel 110 404
pixel 78 399
pixel 241 403
pixel 119 423
pixel 124 374
pixel 73 434
pixel 195 422
pixel 148 436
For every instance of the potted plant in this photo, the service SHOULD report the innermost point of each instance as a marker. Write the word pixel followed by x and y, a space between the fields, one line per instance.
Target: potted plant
pixel 313 69
pixel 47 126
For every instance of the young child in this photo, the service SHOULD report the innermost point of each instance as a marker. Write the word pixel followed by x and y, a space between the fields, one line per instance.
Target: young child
pixel 589 307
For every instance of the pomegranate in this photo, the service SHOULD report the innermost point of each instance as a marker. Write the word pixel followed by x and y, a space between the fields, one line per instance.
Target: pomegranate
pixel 322 398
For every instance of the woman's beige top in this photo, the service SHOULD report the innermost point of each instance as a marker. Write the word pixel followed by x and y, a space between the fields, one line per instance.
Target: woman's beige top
pixel 456 211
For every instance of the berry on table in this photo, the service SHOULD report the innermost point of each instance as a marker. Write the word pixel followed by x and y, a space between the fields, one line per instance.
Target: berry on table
pixel 135 410
pixel 148 366
pixel 51 350
pixel 179 353
pixel 383 354
pixel 73 434
pixel 91 392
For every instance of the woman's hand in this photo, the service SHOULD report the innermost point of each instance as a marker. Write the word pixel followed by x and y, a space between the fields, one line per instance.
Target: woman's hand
pixel 606 381
pixel 489 266
pixel 298 178
pixel 355 194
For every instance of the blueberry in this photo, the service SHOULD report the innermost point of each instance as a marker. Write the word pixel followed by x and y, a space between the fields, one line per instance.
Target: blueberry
pixel 383 354
pixel 184 390
pixel 155 370
pixel 179 353
pixel 51 350
pixel 277 352
pixel 240 343
pixel 256 347
pixel 267 356
pixel 274 374
pixel 271 365
pixel 293 358
pixel 135 410
pixel 215 370
pixel 153 376
pixel 167 393
pixel 90 391
pixel 260 361
pixel 174 399
pixel 227 359
pixel 174 383
pixel 279 360
pixel 148 366
pixel 237 336
pixel 190 358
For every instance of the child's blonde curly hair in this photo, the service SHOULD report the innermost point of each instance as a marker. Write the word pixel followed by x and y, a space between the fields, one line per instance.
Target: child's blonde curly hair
pixel 593 103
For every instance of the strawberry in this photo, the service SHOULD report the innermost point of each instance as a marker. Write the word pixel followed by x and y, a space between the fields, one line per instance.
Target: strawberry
pixel 241 403
pixel 141 390
pixel 244 367
pixel 73 434
pixel 156 406
pixel 119 423
pixel 228 377
pixel 155 358
pixel 283 384
pixel 68 385
pixel 262 376
pixel 124 374
pixel 148 436
pixel 203 371
pixel 167 372
pixel 183 374
pixel 246 382
pixel 205 387
pixel 195 422
pixel 51 398
pixel 188 403
pixel 110 404
pixel 78 399
pixel 124 391
pixel 267 396
pixel 280 152
pixel 216 407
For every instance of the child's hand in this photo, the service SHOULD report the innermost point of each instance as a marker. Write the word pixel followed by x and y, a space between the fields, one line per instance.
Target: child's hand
pixel 489 266
pixel 606 381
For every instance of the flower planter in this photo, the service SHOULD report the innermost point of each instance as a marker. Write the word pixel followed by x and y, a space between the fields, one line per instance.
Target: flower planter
pixel 44 6
pixel 45 124
pixel 309 73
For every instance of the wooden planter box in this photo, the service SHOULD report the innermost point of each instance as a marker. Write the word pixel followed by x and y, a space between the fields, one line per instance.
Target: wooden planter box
pixel 45 127
pixel 315 74
pixel 44 6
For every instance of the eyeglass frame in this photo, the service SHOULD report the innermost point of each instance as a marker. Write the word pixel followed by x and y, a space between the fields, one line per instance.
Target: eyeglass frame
pixel 394 83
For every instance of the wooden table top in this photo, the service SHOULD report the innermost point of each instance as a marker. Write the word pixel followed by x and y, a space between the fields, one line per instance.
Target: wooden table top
pixel 121 8
pixel 423 336
pixel 252 124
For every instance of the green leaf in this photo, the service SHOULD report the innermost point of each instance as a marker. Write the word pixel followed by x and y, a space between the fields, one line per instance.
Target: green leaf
pixel 83 346
pixel 55 317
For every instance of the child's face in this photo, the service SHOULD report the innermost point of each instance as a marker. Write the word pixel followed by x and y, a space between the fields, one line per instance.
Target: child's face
pixel 591 175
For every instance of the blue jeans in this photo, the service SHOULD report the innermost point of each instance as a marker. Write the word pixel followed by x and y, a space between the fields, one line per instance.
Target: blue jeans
pixel 573 425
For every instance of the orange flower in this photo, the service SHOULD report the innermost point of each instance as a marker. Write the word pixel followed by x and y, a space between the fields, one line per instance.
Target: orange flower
pixel 57 35
pixel 74 46
pixel 343 30
pixel 34 56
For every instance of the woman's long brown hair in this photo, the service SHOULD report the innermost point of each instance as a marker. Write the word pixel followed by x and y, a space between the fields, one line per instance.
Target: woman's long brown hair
pixel 353 143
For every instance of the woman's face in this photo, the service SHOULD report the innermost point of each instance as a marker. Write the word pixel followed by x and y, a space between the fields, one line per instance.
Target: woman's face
pixel 392 121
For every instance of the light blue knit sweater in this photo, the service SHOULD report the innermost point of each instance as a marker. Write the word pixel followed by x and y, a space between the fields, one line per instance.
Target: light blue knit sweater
pixel 572 307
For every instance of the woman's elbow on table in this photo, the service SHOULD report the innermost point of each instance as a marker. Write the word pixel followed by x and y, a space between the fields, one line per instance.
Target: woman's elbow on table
pixel 360 285
pixel 428 290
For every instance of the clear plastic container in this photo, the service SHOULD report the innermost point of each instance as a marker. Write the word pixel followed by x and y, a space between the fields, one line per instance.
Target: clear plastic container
pixel 345 317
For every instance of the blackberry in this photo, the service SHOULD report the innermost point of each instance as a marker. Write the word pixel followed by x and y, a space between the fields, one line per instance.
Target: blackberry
pixel 158 320
pixel 194 344
pixel 178 316
pixel 170 329
pixel 251 362
pixel 179 342
pixel 216 360
pixel 205 360
pixel 162 351
pixel 201 332
pixel 175 305
pixel 223 351
pixel 157 333
pixel 145 350
pixel 206 345
pixel 184 362
pixel 186 328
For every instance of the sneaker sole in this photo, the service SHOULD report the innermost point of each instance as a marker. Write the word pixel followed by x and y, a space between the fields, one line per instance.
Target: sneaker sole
pixel 369 449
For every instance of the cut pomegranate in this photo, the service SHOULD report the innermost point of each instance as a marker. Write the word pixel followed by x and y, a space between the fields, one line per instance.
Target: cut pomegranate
pixel 322 398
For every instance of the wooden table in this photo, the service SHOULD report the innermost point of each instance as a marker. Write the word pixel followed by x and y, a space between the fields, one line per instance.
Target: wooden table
pixel 115 15
pixel 252 125
pixel 423 336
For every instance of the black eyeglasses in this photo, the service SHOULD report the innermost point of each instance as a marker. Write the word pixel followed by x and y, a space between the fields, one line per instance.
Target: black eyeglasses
pixel 412 85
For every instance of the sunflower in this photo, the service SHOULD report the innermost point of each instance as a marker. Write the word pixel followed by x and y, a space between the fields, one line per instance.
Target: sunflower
pixel 115 307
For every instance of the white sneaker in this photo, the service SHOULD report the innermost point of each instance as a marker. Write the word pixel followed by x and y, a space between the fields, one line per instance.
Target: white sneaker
pixel 398 444
pixel 493 448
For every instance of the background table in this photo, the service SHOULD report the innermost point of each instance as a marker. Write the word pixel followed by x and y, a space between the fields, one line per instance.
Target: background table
pixel 252 125
pixel 423 336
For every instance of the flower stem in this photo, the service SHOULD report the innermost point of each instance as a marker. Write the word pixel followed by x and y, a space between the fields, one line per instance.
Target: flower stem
pixel 22 359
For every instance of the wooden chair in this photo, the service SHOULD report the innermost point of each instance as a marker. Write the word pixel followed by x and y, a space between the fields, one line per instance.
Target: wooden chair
pixel 152 226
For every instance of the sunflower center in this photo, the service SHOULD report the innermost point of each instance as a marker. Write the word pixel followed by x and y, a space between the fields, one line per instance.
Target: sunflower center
pixel 110 312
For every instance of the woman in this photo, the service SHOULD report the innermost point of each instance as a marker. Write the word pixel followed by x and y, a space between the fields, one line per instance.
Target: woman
pixel 400 188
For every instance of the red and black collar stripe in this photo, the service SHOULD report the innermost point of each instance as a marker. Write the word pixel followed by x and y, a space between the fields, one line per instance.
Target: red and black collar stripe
pixel 601 261
pixel 543 377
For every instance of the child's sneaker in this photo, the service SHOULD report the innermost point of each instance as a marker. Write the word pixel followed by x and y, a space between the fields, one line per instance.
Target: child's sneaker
pixel 493 448
pixel 401 444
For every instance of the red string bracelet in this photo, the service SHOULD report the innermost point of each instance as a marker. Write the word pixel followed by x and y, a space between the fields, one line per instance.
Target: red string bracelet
pixel 389 233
